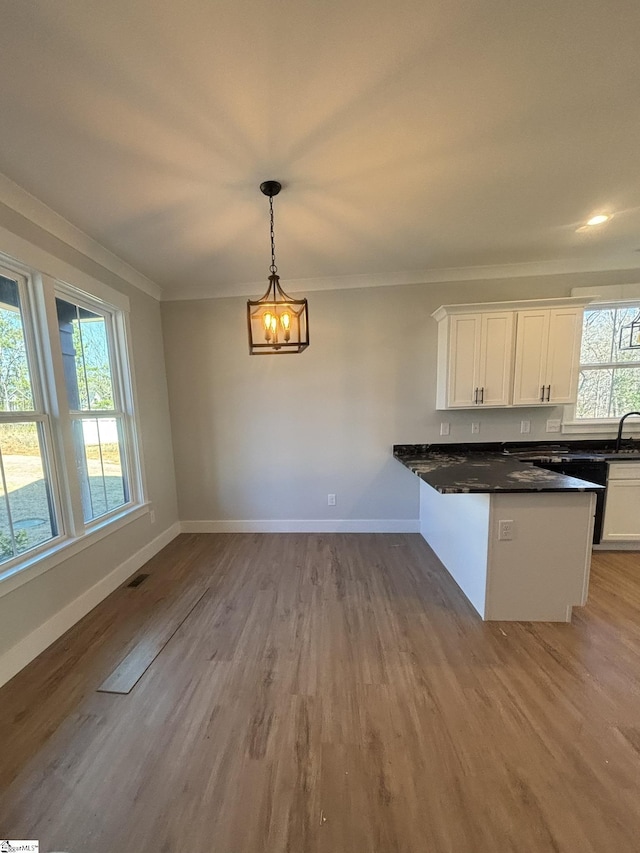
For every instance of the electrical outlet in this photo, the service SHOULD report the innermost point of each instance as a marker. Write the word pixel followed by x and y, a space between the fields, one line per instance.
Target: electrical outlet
pixel 152 516
pixel 554 424
pixel 506 530
pixel 525 427
pixel 444 428
pixel 331 500
pixel 475 428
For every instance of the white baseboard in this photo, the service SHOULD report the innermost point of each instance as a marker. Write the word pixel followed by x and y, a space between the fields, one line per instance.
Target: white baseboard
pixel 37 641
pixel 617 546
pixel 339 525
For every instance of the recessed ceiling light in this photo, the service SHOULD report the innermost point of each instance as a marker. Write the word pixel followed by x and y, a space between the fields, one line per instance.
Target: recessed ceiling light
pixel 593 222
pixel 599 219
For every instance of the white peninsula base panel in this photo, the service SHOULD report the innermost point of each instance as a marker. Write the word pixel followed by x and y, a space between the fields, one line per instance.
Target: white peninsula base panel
pixel 538 575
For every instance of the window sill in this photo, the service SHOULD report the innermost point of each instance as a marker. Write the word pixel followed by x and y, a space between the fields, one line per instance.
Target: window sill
pixel 609 428
pixel 37 564
pixel 595 428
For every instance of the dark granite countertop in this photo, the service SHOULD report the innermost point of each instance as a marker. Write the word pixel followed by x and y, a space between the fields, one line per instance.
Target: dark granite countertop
pixel 483 468
pixel 543 451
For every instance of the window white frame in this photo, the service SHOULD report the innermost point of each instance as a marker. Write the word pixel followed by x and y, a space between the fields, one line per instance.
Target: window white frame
pixel 38 416
pixel 122 411
pixel 624 296
pixel 38 292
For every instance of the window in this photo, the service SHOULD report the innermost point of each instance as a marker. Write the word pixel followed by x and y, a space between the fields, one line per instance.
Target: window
pixel 96 413
pixel 609 383
pixel 68 460
pixel 28 514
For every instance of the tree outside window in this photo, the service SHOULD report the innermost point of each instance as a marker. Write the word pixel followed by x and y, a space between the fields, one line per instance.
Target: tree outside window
pixel 609 383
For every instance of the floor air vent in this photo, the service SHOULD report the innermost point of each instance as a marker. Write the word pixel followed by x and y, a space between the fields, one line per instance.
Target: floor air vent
pixel 138 580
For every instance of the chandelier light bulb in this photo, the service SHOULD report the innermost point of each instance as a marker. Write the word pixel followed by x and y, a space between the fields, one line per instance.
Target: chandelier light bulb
pixel 266 321
pixel 285 321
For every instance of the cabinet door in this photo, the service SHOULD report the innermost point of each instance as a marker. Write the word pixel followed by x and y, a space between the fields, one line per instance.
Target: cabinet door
pixel 563 354
pixel 622 511
pixel 532 339
pixel 464 351
pixel 496 358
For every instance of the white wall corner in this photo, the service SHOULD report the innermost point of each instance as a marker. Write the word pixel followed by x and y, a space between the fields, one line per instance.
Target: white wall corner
pixel 17 657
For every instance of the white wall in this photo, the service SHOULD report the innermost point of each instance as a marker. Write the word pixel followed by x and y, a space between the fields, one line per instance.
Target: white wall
pixel 266 438
pixel 34 612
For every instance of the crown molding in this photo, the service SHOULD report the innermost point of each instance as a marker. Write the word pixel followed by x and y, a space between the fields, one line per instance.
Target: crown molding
pixel 27 205
pixel 449 275
pixel 512 305
pixel 603 294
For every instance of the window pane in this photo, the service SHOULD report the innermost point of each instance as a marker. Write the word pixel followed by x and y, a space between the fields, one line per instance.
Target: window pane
pixel 6 540
pixel 26 511
pixel 85 354
pixel 601 336
pixel 594 393
pixel 625 395
pixel 98 452
pixel 15 382
pixel 624 316
pixel 597 336
pixel 608 393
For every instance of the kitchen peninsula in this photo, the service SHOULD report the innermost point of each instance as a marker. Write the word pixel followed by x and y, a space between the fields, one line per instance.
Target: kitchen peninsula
pixel 516 538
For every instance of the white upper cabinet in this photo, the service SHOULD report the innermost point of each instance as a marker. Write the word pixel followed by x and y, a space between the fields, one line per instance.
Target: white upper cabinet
pixel 547 356
pixel 496 347
pixel 563 358
pixel 463 358
pixel 479 359
pixel 508 354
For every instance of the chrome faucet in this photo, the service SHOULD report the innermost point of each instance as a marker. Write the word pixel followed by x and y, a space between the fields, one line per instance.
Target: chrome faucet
pixel 620 425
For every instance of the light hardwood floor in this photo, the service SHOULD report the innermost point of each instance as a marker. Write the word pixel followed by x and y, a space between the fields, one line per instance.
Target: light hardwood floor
pixel 327 694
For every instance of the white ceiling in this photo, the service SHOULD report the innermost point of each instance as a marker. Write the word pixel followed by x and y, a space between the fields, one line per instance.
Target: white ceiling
pixel 410 136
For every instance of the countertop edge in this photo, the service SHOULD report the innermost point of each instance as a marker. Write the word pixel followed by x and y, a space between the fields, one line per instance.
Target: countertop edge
pixel 563 482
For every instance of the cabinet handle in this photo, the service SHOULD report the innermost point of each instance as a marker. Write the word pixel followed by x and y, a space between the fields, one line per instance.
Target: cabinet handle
pixel 548 393
pixel 482 394
pixel 475 399
pixel 542 387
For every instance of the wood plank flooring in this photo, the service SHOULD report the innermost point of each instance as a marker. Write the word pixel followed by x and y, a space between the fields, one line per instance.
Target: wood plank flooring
pixel 155 637
pixel 329 694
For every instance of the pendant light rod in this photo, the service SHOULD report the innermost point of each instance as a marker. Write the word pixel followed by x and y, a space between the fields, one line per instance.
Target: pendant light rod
pixel 271 188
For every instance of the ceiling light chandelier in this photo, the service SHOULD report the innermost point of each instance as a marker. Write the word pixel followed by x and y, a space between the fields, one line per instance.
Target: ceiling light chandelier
pixel 277 323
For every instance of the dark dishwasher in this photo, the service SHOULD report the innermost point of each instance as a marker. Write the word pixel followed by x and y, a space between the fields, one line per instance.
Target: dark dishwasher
pixel 593 472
